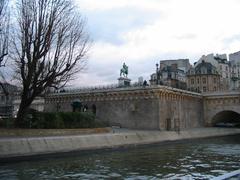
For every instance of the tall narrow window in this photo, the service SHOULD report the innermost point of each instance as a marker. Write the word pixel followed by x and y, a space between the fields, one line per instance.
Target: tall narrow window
pixel 204 80
pixel 204 89
pixel 192 81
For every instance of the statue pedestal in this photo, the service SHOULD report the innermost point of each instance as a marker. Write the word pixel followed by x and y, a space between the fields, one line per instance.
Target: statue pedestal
pixel 123 82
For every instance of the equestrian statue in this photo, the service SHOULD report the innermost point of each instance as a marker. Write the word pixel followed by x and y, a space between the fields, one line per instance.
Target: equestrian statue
pixel 124 71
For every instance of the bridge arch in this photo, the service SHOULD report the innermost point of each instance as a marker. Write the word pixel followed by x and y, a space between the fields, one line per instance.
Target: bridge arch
pixel 226 116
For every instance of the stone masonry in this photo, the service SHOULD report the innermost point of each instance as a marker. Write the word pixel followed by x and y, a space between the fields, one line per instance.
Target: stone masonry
pixel 155 107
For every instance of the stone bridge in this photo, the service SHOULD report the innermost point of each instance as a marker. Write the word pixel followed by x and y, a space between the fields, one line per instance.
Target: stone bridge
pixel 153 107
pixel 221 107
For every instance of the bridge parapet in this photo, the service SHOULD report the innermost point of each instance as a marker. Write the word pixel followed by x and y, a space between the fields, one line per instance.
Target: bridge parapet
pixel 161 106
pixel 220 102
pixel 221 93
pixel 125 89
pixel 150 107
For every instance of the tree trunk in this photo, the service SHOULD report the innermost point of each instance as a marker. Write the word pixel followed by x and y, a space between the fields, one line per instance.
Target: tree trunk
pixel 20 116
pixel 22 112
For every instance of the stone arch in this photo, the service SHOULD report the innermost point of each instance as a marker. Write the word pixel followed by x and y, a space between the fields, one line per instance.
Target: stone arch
pixel 226 116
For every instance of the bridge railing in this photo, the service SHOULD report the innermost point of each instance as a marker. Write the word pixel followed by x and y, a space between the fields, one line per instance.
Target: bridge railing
pixel 115 87
pixel 97 88
pixel 217 93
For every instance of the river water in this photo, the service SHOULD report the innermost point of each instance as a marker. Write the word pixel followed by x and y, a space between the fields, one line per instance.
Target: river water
pixel 193 159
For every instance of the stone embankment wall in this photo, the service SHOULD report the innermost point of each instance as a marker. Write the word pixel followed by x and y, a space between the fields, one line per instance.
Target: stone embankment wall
pixel 159 107
pixel 18 147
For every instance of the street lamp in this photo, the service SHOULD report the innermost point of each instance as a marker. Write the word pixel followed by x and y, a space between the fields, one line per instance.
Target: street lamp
pixel 157 74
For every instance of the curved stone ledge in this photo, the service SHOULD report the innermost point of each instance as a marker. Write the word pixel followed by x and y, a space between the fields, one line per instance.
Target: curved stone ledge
pixel 18 147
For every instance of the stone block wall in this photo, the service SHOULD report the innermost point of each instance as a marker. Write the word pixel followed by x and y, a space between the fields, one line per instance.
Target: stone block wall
pixel 220 102
pixel 159 107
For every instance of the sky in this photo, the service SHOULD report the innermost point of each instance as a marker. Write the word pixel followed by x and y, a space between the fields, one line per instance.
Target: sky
pixel 143 32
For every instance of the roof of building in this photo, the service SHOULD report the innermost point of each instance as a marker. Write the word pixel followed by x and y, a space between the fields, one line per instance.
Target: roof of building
pixel 221 60
pixel 203 68
pixel 171 69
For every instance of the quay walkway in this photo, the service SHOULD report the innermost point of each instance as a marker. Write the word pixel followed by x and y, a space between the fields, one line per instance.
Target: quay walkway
pixel 11 147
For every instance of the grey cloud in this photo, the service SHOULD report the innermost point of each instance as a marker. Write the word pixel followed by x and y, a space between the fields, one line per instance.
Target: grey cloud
pixel 231 39
pixel 108 25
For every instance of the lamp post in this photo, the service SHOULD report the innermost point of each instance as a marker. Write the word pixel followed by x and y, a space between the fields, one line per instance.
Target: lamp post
pixel 157 74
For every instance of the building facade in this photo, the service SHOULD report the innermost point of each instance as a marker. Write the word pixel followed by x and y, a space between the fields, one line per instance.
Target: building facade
pixel 223 69
pixel 222 66
pixel 203 78
pixel 234 60
pixel 182 64
pixel 171 73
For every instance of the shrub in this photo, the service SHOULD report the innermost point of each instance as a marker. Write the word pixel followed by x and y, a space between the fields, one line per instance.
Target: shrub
pixel 52 120
pixel 55 120
pixel 49 121
pixel 78 119
pixel 7 122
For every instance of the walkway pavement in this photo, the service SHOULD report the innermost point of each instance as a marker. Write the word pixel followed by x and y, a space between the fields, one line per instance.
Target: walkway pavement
pixel 27 146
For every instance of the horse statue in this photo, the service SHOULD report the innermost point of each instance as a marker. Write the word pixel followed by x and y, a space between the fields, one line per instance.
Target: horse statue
pixel 124 70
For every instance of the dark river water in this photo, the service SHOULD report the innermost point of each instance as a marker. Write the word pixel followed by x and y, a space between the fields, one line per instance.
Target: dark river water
pixel 195 159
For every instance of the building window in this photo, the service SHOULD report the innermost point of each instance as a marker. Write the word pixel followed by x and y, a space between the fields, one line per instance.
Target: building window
pixel 204 89
pixel 214 88
pixel 226 68
pixel 204 80
pixel 220 67
pixel 198 80
pixel 192 81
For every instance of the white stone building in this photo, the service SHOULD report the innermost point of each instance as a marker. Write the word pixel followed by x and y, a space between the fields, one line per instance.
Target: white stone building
pixel 171 73
pixel 234 59
pixel 208 59
pixel 182 64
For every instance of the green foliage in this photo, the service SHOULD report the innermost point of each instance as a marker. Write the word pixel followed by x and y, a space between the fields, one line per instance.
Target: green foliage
pixel 59 120
pixel 49 121
pixel 78 119
pixel 7 122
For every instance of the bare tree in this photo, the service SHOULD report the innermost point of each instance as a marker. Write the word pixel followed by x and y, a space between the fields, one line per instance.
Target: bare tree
pixel 49 48
pixel 4 30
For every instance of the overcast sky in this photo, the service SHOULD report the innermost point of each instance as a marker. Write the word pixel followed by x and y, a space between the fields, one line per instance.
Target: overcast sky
pixel 143 32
